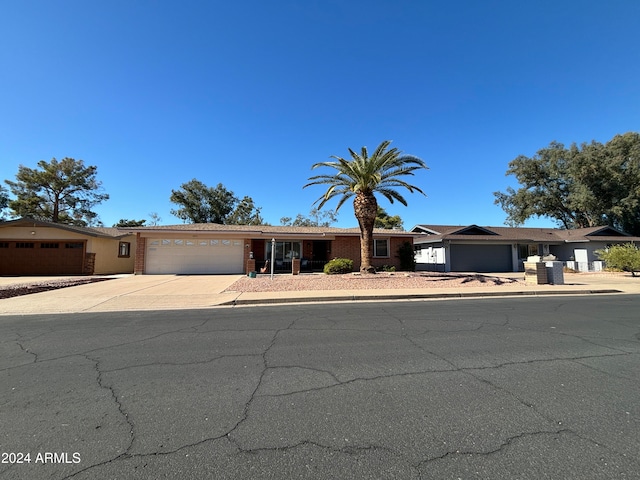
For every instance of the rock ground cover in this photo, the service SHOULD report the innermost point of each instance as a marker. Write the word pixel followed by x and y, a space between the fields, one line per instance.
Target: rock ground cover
pixel 18 289
pixel 379 281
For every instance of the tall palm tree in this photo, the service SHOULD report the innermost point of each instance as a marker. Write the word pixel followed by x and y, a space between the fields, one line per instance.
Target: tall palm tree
pixel 362 176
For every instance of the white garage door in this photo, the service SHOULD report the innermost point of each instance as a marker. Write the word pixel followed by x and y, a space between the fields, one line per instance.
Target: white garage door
pixel 193 256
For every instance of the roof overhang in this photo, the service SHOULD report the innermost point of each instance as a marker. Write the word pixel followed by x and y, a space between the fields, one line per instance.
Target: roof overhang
pixel 34 223
pixel 421 229
pixel 204 230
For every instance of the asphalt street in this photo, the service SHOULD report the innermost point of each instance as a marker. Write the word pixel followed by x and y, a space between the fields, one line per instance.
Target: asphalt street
pixel 527 388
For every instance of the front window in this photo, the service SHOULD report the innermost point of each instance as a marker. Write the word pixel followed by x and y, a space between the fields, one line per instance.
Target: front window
pixel 124 249
pixel 527 250
pixel 285 251
pixel 381 247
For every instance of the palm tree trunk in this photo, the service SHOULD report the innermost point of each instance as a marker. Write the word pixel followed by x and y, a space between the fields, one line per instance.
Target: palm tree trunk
pixel 365 208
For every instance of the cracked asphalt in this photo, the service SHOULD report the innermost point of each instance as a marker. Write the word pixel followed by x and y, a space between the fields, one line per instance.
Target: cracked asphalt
pixel 527 388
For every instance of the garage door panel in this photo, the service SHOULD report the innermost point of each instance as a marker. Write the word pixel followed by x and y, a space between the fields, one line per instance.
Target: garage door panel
pixel 481 258
pixel 181 256
pixel 41 258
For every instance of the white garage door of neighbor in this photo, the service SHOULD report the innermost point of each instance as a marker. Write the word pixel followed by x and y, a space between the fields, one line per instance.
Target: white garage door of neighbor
pixel 193 256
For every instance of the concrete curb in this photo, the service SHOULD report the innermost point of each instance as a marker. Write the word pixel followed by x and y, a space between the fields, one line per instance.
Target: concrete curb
pixel 351 298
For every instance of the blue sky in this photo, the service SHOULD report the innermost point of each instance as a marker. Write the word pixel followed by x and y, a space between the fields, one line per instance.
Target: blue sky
pixel 251 93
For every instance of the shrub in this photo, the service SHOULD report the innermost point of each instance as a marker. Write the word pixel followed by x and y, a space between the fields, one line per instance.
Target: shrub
pixel 387 268
pixel 625 257
pixel 407 257
pixel 338 265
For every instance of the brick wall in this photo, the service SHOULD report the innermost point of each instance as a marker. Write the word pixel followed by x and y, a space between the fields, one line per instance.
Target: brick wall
pixel 89 263
pixel 346 247
pixel 394 245
pixel 340 247
pixel 246 246
pixel 349 247
pixel 141 244
pixel 535 273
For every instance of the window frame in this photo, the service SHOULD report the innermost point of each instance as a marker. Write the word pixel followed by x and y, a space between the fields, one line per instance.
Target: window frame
pixel 285 251
pixel 387 242
pixel 127 246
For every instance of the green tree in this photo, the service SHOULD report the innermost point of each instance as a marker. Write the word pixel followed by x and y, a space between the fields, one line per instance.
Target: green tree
pixel 154 219
pixel 582 186
pixel 129 223
pixel 202 204
pixel 4 201
pixel 245 213
pixel 62 191
pixel 618 187
pixel 384 220
pixel 624 257
pixel 547 187
pixel 316 218
pixel 362 177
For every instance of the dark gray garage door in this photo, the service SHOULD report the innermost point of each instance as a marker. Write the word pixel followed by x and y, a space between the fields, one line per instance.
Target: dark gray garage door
pixel 481 258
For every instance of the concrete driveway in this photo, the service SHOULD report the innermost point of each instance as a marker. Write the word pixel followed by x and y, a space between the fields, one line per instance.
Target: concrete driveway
pixel 128 292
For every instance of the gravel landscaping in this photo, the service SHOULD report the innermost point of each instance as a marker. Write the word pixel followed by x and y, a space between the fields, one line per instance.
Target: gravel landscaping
pixel 390 281
pixel 18 289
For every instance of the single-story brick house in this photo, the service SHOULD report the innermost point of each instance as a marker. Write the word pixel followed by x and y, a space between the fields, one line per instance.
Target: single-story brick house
pixel 503 249
pixel 208 248
pixel 36 247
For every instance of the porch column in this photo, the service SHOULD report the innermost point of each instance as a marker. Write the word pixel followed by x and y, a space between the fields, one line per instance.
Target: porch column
pixel 514 258
pixel 251 266
pixel 139 262
pixel 295 266
pixel 447 256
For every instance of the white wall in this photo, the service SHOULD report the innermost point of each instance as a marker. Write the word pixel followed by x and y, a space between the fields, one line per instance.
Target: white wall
pixel 430 255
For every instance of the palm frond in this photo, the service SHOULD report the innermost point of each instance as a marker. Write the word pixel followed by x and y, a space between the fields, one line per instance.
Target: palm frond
pixel 381 148
pixel 413 159
pixel 344 198
pixel 398 182
pixel 368 174
pixel 391 195
pixel 331 193
pixel 398 173
pixel 329 179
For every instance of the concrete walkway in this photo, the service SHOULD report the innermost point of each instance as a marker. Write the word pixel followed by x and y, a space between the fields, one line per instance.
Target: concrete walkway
pixel 174 292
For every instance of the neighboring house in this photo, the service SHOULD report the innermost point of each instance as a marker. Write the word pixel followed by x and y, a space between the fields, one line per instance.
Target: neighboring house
pixel 502 249
pixel 35 247
pixel 207 248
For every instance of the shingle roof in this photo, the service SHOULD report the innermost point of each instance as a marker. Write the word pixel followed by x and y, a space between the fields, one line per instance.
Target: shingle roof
pixel 522 234
pixel 90 231
pixel 261 229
